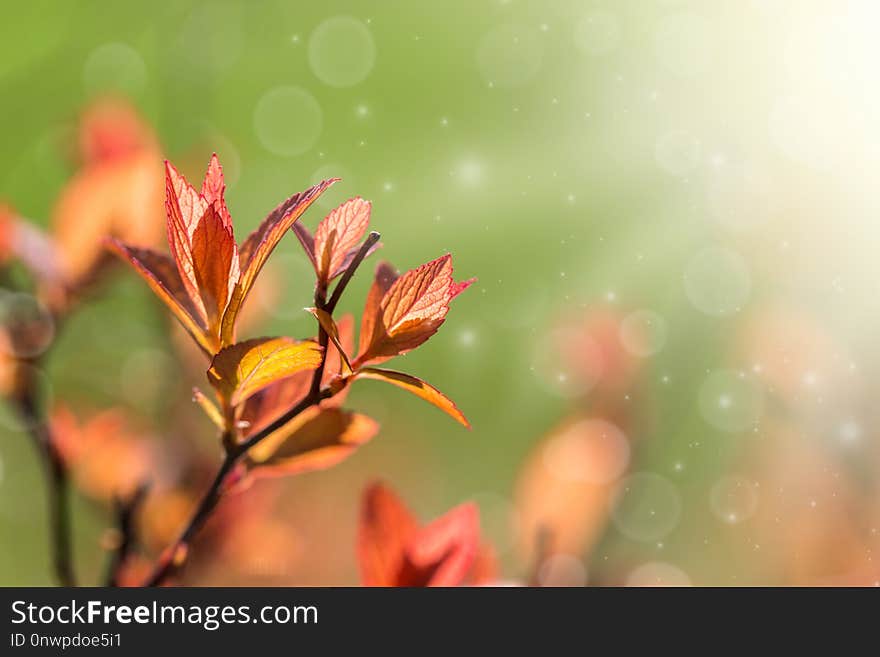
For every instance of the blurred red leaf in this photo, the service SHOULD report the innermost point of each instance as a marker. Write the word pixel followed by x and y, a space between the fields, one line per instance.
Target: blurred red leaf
pixel 393 550
pixel 116 192
pixel 107 458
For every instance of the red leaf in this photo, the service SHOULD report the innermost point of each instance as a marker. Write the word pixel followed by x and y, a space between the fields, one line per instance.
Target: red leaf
pixel 214 188
pixel 307 240
pixel 394 551
pixel 215 265
pixel 181 204
pixel 213 272
pixel 111 130
pixel 411 311
pixel 338 235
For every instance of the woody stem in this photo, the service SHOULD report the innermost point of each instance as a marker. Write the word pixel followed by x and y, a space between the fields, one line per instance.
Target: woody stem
pixel 126 509
pixel 372 238
pixel 56 482
pixel 168 561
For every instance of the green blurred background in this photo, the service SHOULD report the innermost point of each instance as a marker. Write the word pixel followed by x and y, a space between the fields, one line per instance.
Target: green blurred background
pixel 706 162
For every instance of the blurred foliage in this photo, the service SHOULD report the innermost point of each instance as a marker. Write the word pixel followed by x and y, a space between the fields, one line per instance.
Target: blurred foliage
pixel 539 142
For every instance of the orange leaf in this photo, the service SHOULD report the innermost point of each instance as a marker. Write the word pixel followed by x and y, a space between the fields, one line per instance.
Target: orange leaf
pixel 412 310
pixel 239 371
pixel 255 250
pixel 417 387
pixel 214 188
pixel 184 207
pixel 161 275
pixel 566 487
pixel 215 265
pixel 394 551
pixel 316 439
pixel 485 569
pixel 338 234
pixel 183 203
pixel 122 198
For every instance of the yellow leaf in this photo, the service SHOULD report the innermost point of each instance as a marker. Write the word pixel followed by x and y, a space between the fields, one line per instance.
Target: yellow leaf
pixel 239 371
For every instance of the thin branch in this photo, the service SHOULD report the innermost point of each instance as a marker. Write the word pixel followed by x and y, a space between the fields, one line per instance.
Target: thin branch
pixel 329 306
pixel 168 561
pixel 372 238
pixel 57 493
pixel 323 342
pixel 125 525
pixel 280 421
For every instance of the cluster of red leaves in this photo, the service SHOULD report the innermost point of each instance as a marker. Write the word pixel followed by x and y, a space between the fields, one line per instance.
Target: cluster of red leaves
pixel 206 279
pixel 277 400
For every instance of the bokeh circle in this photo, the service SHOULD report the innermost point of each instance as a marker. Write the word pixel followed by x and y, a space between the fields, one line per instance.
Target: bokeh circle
pixel 731 401
pixel 288 120
pixel 341 51
pixel 718 282
pixel 646 507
